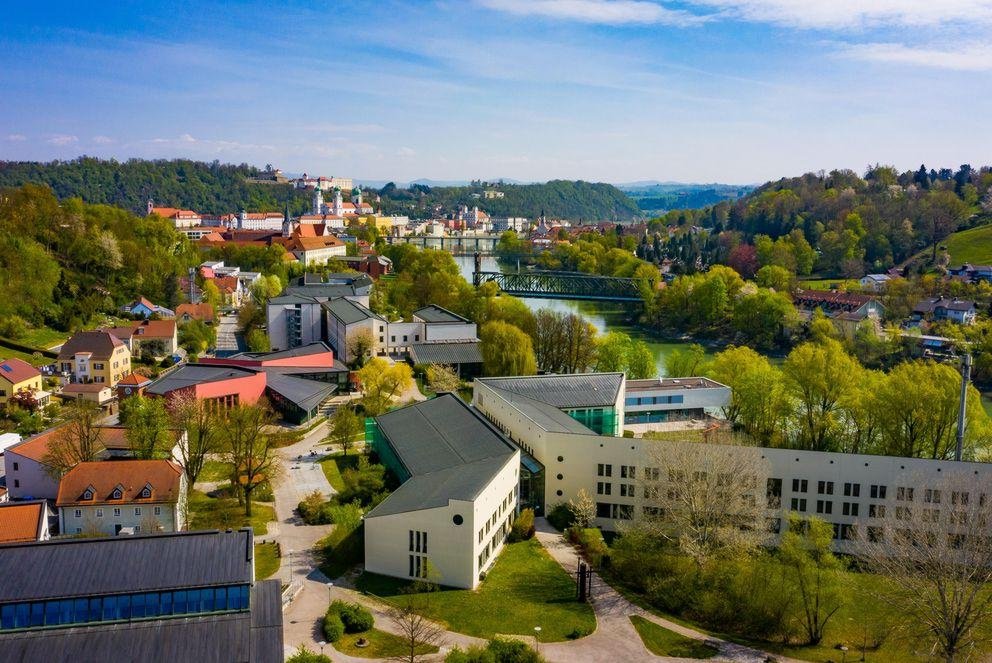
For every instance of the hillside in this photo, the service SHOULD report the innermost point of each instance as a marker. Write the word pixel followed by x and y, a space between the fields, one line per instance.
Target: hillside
pixel 658 198
pixel 574 200
pixel 973 246
pixel 208 188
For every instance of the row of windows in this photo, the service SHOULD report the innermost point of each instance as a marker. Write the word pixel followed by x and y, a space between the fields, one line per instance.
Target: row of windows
pixel 614 511
pixel 626 471
pixel 78 513
pixel 418 542
pixel 507 503
pixel 654 400
pixel 123 607
pixel 606 488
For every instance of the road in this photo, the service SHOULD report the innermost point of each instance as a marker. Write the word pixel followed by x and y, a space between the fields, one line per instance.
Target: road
pixel 228 339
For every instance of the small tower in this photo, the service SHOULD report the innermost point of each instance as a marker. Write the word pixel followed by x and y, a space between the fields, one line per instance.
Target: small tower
pixel 356 196
pixel 318 200
pixel 338 203
pixel 151 205
pixel 242 218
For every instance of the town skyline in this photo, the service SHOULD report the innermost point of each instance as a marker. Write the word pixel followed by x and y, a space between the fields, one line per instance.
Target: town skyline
pixel 738 91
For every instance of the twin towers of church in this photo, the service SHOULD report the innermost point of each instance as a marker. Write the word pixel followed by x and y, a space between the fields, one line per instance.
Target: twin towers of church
pixel 337 207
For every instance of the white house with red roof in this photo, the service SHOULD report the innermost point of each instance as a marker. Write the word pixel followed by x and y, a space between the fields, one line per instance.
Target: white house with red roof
pixel 181 218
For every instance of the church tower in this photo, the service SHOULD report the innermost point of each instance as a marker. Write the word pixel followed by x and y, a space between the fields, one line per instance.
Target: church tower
pixel 338 203
pixel 318 200
pixel 356 196
pixel 287 224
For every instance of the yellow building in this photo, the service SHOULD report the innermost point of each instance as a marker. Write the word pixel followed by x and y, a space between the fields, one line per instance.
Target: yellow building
pixel 17 375
pixel 95 356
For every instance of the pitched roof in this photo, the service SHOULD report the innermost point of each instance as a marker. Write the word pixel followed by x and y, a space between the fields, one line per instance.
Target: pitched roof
pixel 564 391
pixel 131 476
pixel 16 370
pixel 315 243
pixel 350 312
pixel 931 304
pixel 850 300
pixel 446 352
pixel 134 380
pixel 190 375
pixel 115 565
pixel 22 521
pixel 305 394
pixel 434 313
pixel 36 447
pixel 85 387
pixel 449 450
pixel 100 343
pixel 201 311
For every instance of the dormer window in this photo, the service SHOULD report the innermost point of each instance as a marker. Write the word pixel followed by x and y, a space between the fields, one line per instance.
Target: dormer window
pixel 118 492
pixel 146 492
pixel 88 494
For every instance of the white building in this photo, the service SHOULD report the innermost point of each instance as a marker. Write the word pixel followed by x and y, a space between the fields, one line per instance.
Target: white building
pixel 449 518
pixel 295 318
pixel 504 223
pixel 324 183
pixel 572 450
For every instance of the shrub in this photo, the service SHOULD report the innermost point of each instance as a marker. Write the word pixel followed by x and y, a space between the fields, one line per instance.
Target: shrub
pixel 363 482
pixel 628 433
pixel 560 516
pixel 314 510
pixel 13 327
pixel 523 526
pixel 304 655
pixel 577 633
pixel 498 650
pixel 590 541
pixel 333 626
pixel 356 619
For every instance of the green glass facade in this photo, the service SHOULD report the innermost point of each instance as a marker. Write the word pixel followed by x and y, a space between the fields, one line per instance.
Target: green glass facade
pixel 377 441
pixel 601 420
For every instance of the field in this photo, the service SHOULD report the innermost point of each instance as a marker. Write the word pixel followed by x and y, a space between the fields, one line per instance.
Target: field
pixel 974 246
pixel 266 560
pixel 207 512
pixel 380 645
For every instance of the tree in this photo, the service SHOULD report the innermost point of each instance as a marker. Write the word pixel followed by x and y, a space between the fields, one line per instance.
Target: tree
pixel 805 550
pixel 563 342
pixel 417 631
pixel 79 440
pixel 147 424
pixel 757 395
pixel 616 351
pixel 381 382
pixel 816 377
pixel 764 316
pixel 345 425
pixel 705 498
pixel 304 655
pixel 211 294
pixel 201 425
pixel 443 378
pixel 684 363
pixel 257 341
pixel 583 509
pixel 776 278
pixel 940 582
pixel 506 350
pixel 360 345
pixel 248 447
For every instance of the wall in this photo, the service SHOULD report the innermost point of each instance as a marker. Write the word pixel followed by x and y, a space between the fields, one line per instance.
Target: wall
pixel 449 331
pixel 106 524
pixel 310 324
pixel 29 480
pixel 248 388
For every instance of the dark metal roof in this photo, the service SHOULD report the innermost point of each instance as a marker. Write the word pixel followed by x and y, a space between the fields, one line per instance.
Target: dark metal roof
pixel 446 352
pixel 292 298
pixel 449 449
pixel 301 351
pixel 349 312
pixel 433 313
pixel 548 417
pixel 66 568
pixel 193 374
pixel 564 391
pixel 305 394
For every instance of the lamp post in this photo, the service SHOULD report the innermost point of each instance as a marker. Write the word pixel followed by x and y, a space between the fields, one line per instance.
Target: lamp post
pixel 322 643
pixel 290 552
pixel 537 639
pixel 843 652
pixel 329 586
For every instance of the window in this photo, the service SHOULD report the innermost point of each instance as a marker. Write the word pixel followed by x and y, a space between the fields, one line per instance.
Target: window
pixel 628 472
pixel 117 512
pixel 15 467
pixel 652 473
pixel 604 470
pixel 824 487
pixel 850 508
pixel 99 513
pixel 17 483
pixel 852 490
pixel 146 492
pixel 158 511
pixel 799 485
pixel 626 490
pixel 903 513
pixel 959 497
pixel 137 510
pixel 88 494
pixel 78 513
pixel 798 504
pixel 877 492
pixel 824 506
pixel 603 509
pixel 117 493
pixel 604 488
pixel 904 494
pixel 876 510
pixel 773 492
pixel 931 496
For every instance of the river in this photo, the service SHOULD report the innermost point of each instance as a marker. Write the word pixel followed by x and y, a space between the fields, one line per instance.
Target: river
pixel 604 316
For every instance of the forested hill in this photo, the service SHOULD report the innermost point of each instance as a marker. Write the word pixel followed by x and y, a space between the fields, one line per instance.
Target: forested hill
pixel 208 188
pixel 574 200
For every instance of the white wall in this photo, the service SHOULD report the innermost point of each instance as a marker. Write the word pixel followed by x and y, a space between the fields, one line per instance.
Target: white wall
pixel 168 519
pixel 29 480
pixel 449 331
pixel 310 327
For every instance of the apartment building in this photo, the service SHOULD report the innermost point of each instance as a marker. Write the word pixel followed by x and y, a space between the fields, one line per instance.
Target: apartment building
pixel 94 356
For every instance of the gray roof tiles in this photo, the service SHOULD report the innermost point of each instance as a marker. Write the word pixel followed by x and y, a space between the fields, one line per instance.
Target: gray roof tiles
pixel 436 314
pixel 581 390
pixel 349 312
pixel 446 352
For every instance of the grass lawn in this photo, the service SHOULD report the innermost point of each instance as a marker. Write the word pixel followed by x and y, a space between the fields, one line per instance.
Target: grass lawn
pixel 215 470
pixel 828 284
pixel 381 645
pixel 662 642
pixel 266 560
pixel 974 246
pixel 524 589
pixel 224 512
pixel 43 337
pixel 9 353
pixel 334 465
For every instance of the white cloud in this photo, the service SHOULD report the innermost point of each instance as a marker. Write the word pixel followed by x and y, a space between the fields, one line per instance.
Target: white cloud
pixel 835 14
pixel 610 12
pixel 968 57
pixel 405 152
pixel 62 140
pixel 103 140
pixel 16 138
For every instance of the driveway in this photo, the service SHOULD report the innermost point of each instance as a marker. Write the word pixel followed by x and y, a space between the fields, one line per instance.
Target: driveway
pixel 228 339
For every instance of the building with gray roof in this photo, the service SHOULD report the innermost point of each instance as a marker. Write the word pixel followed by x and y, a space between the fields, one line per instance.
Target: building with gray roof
pixel 188 596
pixel 463 356
pixel 458 495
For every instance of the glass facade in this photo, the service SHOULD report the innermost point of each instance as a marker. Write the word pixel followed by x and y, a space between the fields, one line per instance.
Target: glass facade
pixel 123 607
pixel 531 484
pixel 377 441
pixel 653 400
pixel 603 421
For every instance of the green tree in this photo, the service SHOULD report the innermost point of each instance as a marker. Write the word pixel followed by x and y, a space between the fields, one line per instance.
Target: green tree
pixel 775 277
pixel 817 375
pixel 249 447
pixel 806 550
pixel 764 316
pixel 685 362
pixel 147 426
pixel 382 382
pixel 506 350
pixel 345 426
pixel 758 401
pixel 201 424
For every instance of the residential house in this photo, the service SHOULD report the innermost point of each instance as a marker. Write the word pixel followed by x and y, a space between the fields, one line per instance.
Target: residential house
pixel 231 289
pixel 316 250
pixel 24 521
pixel 94 356
pixel 146 309
pixel 189 596
pixel 188 312
pixel 875 282
pixel 457 498
pixel 16 375
pixel 180 218
pixel 935 309
pixel 373 265
pixel 110 496
pixel 972 273
pixel 847 310
pixel 155 337
pixel 132 384
pixel 95 392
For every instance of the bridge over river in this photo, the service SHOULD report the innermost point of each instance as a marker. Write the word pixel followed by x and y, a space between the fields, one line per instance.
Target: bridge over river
pixel 563 285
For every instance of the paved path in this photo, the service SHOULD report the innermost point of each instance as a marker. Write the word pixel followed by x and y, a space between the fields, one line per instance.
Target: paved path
pixel 615 638
pixel 227 334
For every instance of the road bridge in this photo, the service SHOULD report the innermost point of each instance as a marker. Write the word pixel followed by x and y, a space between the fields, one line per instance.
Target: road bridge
pixel 563 285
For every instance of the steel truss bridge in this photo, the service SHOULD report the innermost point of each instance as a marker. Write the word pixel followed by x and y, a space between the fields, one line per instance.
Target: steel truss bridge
pixel 563 285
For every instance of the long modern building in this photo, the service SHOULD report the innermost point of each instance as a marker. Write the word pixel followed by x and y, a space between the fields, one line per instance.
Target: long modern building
pixel 458 497
pixel 566 426
pixel 160 598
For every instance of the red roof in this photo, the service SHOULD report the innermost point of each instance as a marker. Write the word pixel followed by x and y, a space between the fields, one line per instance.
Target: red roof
pixel 103 477
pixel 134 380
pixel 17 370
pixel 36 447
pixel 21 521
pixel 226 284
pixel 196 311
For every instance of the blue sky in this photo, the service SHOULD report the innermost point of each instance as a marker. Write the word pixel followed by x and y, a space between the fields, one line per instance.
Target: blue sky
pixel 606 90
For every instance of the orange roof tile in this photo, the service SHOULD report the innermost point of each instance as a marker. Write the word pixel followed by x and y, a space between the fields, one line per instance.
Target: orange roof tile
pixel 131 476
pixel 134 380
pixel 21 521
pixel 196 311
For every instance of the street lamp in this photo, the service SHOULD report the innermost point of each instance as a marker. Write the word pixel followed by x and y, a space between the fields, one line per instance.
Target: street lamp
pixel 290 566
pixel 965 370
pixel 329 586
pixel 843 651
pixel 322 643
pixel 537 639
